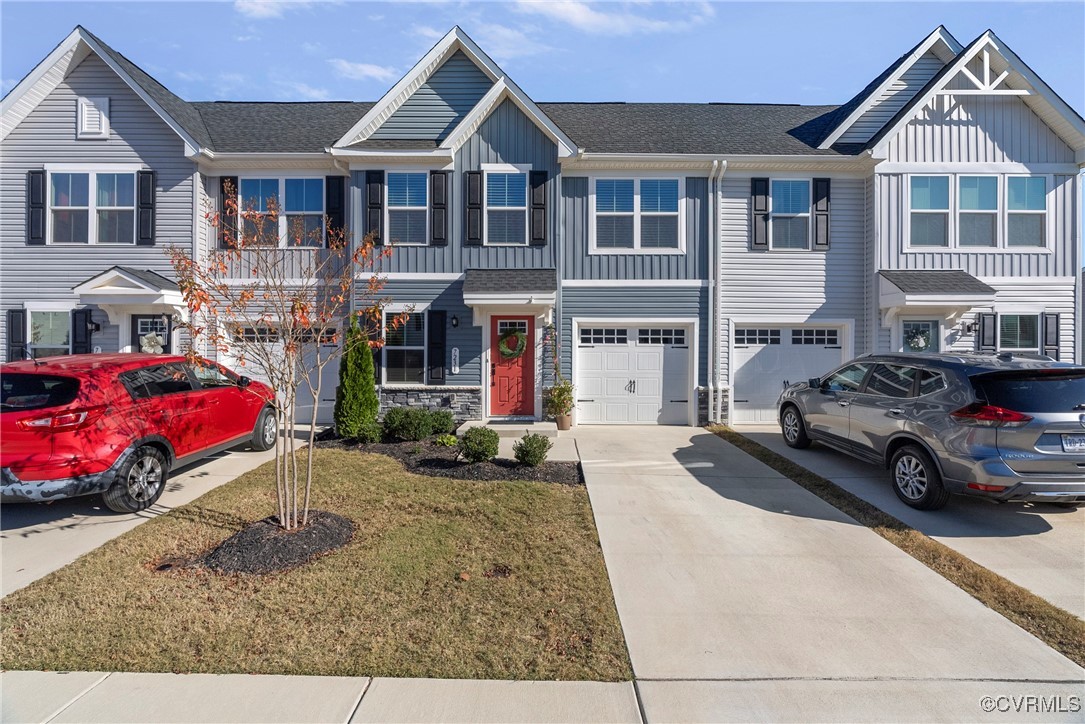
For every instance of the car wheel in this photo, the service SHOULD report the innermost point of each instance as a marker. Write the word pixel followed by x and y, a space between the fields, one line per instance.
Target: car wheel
pixel 916 479
pixel 794 428
pixel 139 482
pixel 266 430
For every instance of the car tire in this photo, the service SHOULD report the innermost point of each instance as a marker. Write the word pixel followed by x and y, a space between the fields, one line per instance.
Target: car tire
pixel 916 479
pixel 139 482
pixel 266 430
pixel 794 428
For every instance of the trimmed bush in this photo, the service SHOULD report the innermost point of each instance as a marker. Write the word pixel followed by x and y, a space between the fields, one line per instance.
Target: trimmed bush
pixel 531 449
pixel 479 444
pixel 408 423
pixel 371 432
pixel 446 440
pixel 356 403
pixel 442 422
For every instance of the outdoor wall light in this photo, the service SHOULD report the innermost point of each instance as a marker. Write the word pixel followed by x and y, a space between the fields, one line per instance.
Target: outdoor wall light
pixel 94 327
pixel 455 321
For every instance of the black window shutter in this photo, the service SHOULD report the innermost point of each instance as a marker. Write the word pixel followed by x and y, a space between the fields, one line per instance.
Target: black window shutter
pixel 821 213
pixel 473 199
pixel 16 335
pixel 334 203
pixel 435 343
pixel 987 339
pixel 374 199
pixel 35 208
pixel 1051 335
pixel 538 207
pixel 438 208
pixel 146 182
pixel 378 352
pixel 227 221
pixel 759 213
pixel 81 319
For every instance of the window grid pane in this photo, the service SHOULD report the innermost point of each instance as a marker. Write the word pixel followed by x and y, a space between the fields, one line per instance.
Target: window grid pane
pixel 978 193
pixel 791 232
pixel 929 229
pixel 1026 230
pixel 305 195
pixel 824 337
pixel 604 335
pixel 614 195
pixel 256 192
pixel 506 190
pixel 661 336
pixel 659 232
pixel 407 190
pixel 1019 331
pixel 407 227
pixel 409 334
pixel 752 335
pixel 930 193
pixel 659 195
pixel 790 197
pixel 1027 194
pixel 978 230
pixel 506 227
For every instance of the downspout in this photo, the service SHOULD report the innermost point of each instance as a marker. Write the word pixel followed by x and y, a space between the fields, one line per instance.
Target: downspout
pixel 715 381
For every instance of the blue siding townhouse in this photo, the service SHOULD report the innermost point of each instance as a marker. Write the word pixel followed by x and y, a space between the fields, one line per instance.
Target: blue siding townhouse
pixel 685 260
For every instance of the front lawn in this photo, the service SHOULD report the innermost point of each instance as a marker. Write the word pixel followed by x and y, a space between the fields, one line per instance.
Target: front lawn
pixel 443 578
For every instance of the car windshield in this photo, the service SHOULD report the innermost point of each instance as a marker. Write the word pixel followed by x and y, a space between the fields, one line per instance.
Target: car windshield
pixel 20 391
pixel 1033 391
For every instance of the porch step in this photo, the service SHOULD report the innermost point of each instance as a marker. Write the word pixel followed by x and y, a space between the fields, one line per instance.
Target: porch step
pixel 512 428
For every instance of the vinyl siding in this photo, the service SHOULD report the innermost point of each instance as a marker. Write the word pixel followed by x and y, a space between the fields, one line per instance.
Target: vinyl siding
pixel 47 135
pixel 647 303
pixel 579 263
pixel 440 103
pixel 893 98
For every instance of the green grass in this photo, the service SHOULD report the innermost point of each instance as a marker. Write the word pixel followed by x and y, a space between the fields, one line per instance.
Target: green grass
pixel 1059 629
pixel 407 597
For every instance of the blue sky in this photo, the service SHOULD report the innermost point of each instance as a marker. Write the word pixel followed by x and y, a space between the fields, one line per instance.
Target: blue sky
pixel 557 51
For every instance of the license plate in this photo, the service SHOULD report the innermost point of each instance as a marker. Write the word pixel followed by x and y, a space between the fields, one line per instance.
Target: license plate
pixel 1073 443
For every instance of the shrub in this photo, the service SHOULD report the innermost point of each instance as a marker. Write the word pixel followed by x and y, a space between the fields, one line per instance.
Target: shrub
pixel 531 449
pixel 442 421
pixel 408 423
pixel 447 440
pixel 371 432
pixel 479 444
pixel 356 403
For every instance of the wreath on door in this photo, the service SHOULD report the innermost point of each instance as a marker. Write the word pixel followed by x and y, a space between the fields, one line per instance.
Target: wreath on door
pixel 512 344
pixel 919 340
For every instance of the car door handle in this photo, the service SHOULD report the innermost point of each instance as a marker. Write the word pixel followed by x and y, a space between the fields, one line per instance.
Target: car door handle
pixel 843 403
pixel 897 411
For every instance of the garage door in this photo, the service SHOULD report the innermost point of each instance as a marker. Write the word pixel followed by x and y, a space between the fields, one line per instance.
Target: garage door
pixel 767 359
pixel 633 375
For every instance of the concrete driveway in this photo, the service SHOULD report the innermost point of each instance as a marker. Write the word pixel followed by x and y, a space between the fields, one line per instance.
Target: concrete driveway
pixel 743 596
pixel 1039 547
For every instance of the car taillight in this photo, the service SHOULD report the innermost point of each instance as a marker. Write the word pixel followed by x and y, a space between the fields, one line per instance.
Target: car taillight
pixel 980 415
pixel 63 421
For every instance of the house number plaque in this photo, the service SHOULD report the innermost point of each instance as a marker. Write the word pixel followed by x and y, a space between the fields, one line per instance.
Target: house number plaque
pixel 455 360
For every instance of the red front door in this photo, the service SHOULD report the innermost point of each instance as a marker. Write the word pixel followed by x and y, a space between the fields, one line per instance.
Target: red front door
pixel 512 378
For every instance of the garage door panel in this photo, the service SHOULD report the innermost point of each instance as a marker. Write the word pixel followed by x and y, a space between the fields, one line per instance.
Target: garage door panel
pixel 591 360
pixel 615 386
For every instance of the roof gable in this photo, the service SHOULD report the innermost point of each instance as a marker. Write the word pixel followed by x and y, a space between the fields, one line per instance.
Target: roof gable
pixel 506 90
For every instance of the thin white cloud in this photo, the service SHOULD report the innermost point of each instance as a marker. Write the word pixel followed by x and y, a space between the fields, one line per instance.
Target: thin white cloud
pixel 362 71
pixel 268 9
pixel 303 91
pixel 426 32
pixel 619 19
pixel 188 77
pixel 226 83
pixel 503 43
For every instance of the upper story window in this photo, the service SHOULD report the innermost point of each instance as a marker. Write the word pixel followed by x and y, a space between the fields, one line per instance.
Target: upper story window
pixel 407 208
pixel 790 214
pixel 92 118
pixel 95 207
pixel 987 212
pixel 506 208
pixel 637 215
pixel 284 212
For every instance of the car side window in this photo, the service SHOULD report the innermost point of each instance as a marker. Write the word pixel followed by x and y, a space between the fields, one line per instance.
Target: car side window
pixel 157 381
pixel 931 382
pixel 847 379
pixel 210 375
pixel 891 380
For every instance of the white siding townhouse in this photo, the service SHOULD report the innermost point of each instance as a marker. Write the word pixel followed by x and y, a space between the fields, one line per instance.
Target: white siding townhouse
pixel 689 259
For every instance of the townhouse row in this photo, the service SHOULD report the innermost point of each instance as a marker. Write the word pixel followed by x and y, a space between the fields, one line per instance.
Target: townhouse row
pixel 683 262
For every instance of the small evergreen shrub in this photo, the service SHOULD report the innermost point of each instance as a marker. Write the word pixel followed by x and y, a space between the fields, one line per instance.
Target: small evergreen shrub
pixel 531 449
pixel 479 444
pixel 356 403
pixel 371 432
pixel 446 440
pixel 442 421
pixel 408 423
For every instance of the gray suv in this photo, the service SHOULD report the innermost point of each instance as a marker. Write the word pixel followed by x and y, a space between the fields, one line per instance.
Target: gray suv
pixel 1006 427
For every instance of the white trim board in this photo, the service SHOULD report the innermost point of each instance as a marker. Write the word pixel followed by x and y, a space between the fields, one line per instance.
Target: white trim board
pixel 652 283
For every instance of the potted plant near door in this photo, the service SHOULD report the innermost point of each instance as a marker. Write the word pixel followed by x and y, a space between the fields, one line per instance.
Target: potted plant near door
pixel 559 403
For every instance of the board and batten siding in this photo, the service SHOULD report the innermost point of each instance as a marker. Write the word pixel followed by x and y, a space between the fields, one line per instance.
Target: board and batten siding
pixel 646 303
pixel 893 98
pixel 506 136
pixel 48 136
pixel 1063 220
pixel 579 263
pixel 440 103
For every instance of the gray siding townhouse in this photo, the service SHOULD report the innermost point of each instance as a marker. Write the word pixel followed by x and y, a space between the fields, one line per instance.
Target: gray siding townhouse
pixel 683 261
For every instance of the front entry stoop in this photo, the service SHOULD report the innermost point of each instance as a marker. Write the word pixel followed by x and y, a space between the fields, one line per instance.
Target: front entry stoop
pixel 512 428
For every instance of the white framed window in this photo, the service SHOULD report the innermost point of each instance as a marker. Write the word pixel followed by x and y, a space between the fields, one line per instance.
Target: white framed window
pixel 506 207
pixel 407 208
pixel 929 204
pixel 1018 333
pixel 405 351
pixel 604 335
pixel 977 211
pixel 921 335
pixel 92 118
pixel 746 336
pixel 300 204
pixel 1026 211
pixel 49 329
pixel 92 206
pixel 789 214
pixel 815 336
pixel 637 215
pixel 661 335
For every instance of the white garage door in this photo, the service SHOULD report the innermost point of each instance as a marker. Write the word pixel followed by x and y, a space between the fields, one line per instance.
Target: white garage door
pixel 633 375
pixel 767 359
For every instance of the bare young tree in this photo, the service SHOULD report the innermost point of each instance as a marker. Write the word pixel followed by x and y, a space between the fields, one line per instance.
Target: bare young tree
pixel 280 301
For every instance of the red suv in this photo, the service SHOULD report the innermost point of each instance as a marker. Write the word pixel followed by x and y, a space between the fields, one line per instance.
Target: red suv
pixel 116 423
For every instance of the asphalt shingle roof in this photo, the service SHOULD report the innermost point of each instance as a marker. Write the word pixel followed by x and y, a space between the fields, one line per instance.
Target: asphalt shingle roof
pixel 952 281
pixel 490 281
pixel 278 127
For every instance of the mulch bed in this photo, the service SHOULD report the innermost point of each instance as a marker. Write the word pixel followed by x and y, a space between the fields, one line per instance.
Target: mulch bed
pixel 429 458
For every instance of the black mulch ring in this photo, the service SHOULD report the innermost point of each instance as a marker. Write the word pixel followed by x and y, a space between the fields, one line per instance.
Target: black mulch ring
pixel 429 458
pixel 264 547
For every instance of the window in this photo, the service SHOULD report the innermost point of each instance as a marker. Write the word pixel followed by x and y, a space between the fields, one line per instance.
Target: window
pixel 977 212
pixel 846 379
pixel 144 325
pixel 157 381
pixel 891 381
pixel 637 214
pixel 407 208
pixel 920 335
pixel 19 391
pixel 405 351
pixel 1026 211
pixel 92 119
pixel 748 336
pixel 603 335
pixel 304 212
pixel 256 334
pixel 661 336
pixel 930 210
pixel 790 215
pixel 116 207
pixel 1019 332
pixel 108 198
pixel 506 208
pixel 70 199
pixel 298 206
pixel 821 337
pixel 211 375
pixel 931 382
pixel 257 197
pixel 50 333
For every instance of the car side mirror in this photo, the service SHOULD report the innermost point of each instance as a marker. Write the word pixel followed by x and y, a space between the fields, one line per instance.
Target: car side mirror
pixel 243 381
pixel 814 383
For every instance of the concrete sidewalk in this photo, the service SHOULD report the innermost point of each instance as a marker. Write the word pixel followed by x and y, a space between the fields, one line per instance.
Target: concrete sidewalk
pixel 1037 546
pixel 742 596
